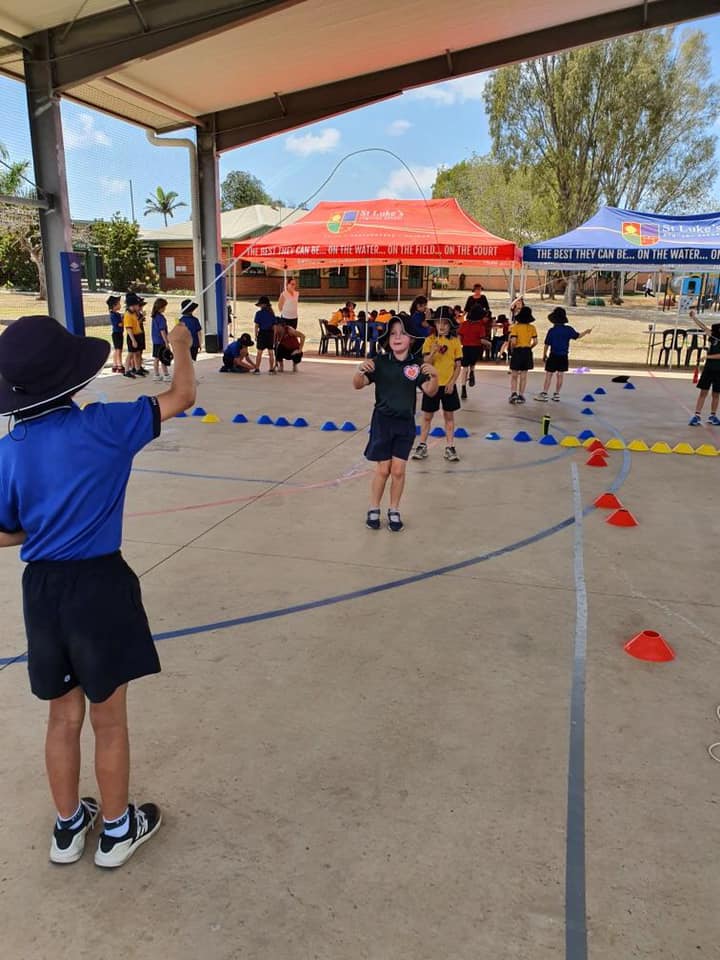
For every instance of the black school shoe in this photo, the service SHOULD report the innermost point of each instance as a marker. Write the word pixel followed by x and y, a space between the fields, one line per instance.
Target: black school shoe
pixel 115 851
pixel 67 846
pixel 394 522
pixel 373 519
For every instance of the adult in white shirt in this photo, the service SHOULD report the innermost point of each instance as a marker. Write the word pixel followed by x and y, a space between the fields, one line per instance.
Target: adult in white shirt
pixel 288 303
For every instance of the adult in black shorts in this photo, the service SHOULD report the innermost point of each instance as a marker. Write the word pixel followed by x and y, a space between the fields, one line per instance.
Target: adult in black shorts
pixel 710 376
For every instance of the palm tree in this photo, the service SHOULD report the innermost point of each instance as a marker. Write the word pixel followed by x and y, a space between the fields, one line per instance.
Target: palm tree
pixel 164 203
pixel 12 173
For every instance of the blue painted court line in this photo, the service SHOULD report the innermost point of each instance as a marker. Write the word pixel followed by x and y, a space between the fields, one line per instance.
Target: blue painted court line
pixel 380 588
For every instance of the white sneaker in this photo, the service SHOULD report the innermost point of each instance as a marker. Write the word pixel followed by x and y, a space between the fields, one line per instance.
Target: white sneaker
pixel 167 378
pixel 542 397
pixel 67 846
pixel 115 851
pixel 157 378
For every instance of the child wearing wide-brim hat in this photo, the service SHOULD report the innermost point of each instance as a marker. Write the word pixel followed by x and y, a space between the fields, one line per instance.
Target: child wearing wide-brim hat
pixel 397 374
pixel 63 477
pixel 187 311
pixel 116 332
pixel 556 352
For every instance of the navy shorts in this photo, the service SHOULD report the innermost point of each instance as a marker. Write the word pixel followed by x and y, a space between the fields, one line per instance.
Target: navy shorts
pixel 389 437
pixel 556 363
pixel 471 355
pixel 265 339
pixel 709 378
pixel 117 340
pixel 521 359
pixel 448 401
pixel 86 627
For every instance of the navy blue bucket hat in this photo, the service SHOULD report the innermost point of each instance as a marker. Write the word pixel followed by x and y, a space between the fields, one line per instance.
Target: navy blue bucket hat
pixel 40 361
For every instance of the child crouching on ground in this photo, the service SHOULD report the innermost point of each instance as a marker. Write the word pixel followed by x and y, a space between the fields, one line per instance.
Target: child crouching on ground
pixel 397 377
pixel 556 352
pixel 63 477
pixel 236 358
pixel 444 351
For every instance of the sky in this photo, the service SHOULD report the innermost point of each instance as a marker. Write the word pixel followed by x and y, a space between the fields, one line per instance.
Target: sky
pixel 410 136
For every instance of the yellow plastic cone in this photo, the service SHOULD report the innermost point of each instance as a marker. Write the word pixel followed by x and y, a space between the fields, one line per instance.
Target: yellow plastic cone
pixel 707 450
pixel 570 442
pixel 683 448
pixel 615 444
pixel 661 447
pixel 210 418
pixel 639 446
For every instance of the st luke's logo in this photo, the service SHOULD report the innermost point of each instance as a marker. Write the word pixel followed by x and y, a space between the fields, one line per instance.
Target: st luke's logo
pixel 342 221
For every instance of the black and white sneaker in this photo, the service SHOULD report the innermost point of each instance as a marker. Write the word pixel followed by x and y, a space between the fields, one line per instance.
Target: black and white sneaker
pixel 67 846
pixel 394 522
pixel 451 454
pixel 513 398
pixel 115 851
pixel 420 452
pixel 373 519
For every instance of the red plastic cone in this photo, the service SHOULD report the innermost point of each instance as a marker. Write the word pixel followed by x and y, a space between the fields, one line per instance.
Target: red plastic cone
pixel 598 459
pixel 650 645
pixel 622 518
pixel 608 501
pixel 596 445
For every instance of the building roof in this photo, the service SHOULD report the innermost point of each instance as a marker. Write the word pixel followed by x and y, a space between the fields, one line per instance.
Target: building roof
pixel 247 69
pixel 234 224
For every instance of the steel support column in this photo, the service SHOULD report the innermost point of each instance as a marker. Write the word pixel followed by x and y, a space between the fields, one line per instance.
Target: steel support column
pixel 207 160
pixel 49 163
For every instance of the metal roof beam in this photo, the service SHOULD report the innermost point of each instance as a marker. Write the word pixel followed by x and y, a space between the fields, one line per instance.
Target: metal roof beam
pixel 237 126
pixel 104 42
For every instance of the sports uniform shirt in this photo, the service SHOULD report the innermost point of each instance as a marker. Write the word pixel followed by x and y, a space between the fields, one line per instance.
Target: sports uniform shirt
pixel 193 325
pixel 158 323
pixel 63 476
pixel 116 321
pixel 558 339
pixel 265 319
pixel 472 333
pixel 524 332
pixel 449 350
pixel 396 385
pixel 131 322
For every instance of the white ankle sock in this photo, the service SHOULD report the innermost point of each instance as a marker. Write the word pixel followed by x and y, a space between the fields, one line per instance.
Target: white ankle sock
pixel 119 827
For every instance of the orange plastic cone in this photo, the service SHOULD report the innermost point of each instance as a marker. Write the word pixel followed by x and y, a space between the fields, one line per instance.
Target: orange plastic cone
pixel 596 445
pixel 650 645
pixel 598 459
pixel 608 501
pixel 622 518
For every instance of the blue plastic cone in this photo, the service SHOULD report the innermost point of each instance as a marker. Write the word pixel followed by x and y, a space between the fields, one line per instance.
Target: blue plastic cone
pixel 585 435
pixel 587 412
pixel 588 398
pixel 437 432
pixel 239 418
pixel 522 437
pixel 348 427
pixel 462 433
pixel 181 414
pixel 629 386
pixel 282 422
pixel 600 392
pixel 199 412
pixel 493 436
pixel 300 422
pixel 264 419
pixel 548 440
pixel 329 425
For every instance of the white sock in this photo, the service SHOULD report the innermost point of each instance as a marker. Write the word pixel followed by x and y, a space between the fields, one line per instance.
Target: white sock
pixel 119 827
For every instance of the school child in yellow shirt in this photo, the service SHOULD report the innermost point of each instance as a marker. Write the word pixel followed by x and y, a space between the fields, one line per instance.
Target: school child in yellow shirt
pixel 444 351
pixel 523 337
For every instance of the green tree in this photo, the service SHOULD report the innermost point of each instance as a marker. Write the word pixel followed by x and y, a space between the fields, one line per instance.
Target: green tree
pixel 242 189
pixel 624 122
pixel 164 203
pixel 16 265
pixel 501 200
pixel 12 173
pixel 126 260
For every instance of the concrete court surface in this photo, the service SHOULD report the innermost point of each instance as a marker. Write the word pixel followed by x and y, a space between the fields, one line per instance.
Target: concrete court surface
pixel 385 776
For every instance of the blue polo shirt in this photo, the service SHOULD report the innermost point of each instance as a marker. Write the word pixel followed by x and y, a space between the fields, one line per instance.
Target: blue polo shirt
pixel 159 323
pixel 63 477
pixel 558 339
pixel 116 321
pixel 265 319
pixel 193 325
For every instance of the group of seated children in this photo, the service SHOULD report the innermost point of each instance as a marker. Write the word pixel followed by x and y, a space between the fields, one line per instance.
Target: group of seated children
pixel 276 335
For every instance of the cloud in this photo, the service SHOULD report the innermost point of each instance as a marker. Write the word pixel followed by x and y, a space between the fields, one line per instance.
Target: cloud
pixel 113 185
pixel 459 90
pixel 83 133
pixel 397 128
pixel 401 183
pixel 308 143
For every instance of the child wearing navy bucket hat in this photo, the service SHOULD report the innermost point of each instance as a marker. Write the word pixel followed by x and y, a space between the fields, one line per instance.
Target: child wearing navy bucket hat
pixel 556 351
pixel 63 477
pixel 397 374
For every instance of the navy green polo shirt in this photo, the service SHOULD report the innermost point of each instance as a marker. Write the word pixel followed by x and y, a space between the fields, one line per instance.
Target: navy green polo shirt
pixel 396 385
pixel 63 476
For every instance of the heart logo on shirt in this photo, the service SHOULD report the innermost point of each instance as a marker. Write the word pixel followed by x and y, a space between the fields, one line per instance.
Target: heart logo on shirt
pixel 443 348
pixel 412 371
